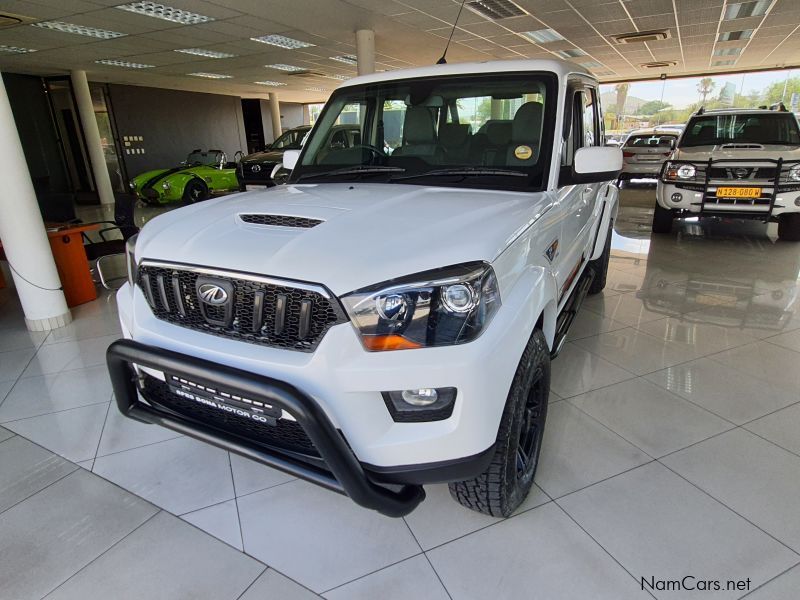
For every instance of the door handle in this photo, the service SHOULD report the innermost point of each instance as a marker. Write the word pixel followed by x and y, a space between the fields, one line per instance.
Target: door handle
pixel 588 190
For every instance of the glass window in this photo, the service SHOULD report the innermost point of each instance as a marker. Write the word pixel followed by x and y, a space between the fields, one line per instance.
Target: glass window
pixel 431 130
pixel 290 140
pixel 589 120
pixel 643 141
pixel 754 128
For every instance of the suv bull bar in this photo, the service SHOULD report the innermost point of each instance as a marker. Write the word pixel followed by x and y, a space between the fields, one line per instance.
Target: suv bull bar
pixel 778 183
pixel 346 475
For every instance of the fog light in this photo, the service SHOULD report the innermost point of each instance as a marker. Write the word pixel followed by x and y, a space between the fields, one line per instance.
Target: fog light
pixel 676 197
pixel 422 404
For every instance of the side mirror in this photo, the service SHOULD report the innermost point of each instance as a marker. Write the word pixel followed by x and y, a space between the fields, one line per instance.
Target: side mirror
pixel 290 159
pixel 596 163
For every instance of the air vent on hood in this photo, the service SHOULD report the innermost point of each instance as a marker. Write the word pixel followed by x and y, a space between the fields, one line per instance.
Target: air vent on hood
pixel 641 36
pixel 659 64
pixel 280 220
pixel 495 9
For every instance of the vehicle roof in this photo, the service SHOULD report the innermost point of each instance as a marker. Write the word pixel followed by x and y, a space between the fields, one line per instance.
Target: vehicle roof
pixel 562 68
pixel 655 130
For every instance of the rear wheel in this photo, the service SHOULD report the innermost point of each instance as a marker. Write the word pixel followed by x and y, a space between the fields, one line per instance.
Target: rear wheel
pixel 505 484
pixel 195 191
pixel 789 227
pixel 662 219
pixel 600 266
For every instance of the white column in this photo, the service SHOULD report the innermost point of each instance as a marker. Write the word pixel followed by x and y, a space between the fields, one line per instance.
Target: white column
pixel 306 114
pixel 23 235
pixel 91 133
pixel 275 113
pixel 365 51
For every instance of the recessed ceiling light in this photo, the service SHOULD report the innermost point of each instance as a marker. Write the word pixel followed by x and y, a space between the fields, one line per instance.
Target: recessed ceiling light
pixel 337 77
pixel 123 63
pixel 741 10
pixel 591 64
pixel 211 75
pixel 103 34
pixel 205 53
pixel 316 89
pixel 723 63
pixel 571 53
pixel 347 59
pixel 166 13
pixel 543 36
pixel 730 36
pixel 727 51
pixel 282 42
pixel 603 73
pixel 495 9
pixel 15 49
pixel 270 83
pixel 283 67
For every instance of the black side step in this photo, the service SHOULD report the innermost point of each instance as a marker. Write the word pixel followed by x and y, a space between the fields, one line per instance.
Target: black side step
pixel 567 315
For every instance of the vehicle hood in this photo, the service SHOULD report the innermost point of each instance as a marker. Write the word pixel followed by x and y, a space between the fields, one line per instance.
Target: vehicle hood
pixel 770 152
pixel 370 232
pixel 272 156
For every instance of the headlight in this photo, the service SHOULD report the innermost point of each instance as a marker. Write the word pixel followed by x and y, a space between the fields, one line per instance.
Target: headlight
pixel 131 185
pixel 130 258
pixel 794 173
pixel 165 185
pixel 436 308
pixel 678 171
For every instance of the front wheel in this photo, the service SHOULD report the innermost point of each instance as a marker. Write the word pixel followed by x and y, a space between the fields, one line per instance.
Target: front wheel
pixel 195 191
pixel 662 219
pixel 789 227
pixel 505 484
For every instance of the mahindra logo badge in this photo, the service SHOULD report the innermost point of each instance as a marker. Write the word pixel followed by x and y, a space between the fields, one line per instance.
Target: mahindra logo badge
pixel 256 168
pixel 212 294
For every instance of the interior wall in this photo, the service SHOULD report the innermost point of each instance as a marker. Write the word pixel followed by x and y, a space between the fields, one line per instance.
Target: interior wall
pixel 291 116
pixel 37 134
pixel 163 126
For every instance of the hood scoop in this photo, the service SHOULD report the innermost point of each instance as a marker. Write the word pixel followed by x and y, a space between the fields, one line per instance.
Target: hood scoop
pixel 279 220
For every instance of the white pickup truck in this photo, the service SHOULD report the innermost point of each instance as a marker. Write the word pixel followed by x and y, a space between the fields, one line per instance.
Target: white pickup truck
pixel 734 163
pixel 385 320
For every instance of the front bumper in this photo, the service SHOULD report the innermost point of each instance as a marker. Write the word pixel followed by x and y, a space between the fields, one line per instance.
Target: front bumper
pixel 338 470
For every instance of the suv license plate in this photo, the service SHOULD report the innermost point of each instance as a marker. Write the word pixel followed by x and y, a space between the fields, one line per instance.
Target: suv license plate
pixel 738 192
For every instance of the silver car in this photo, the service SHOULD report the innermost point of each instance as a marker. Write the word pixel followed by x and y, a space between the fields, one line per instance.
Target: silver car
pixel 645 151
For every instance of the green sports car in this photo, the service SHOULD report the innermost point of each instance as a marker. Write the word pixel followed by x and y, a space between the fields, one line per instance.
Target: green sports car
pixel 197 178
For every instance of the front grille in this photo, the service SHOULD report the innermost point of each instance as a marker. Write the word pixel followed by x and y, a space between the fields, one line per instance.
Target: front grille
pixel 280 220
pixel 744 173
pixel 258 311
pixel 285 434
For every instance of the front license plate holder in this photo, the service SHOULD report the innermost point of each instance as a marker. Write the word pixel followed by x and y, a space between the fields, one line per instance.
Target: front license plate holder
pixel 738 192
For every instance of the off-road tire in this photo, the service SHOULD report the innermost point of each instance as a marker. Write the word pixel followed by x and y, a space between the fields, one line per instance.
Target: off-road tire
pixel 789 227
pixel 662 219
pixel 502 487
pixel 195 191
pixel 600 265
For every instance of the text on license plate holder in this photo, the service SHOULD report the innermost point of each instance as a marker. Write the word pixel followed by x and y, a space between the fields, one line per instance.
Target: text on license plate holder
pixel 738 192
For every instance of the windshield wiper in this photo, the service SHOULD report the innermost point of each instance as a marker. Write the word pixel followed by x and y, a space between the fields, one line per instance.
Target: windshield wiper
pixel 462 171
pixel 353 171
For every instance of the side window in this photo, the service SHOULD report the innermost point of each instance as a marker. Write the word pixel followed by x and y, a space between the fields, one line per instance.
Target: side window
pixel 576 133
pixel 590 134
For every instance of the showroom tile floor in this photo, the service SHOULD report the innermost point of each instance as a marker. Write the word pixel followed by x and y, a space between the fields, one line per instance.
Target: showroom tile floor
pixel 672 448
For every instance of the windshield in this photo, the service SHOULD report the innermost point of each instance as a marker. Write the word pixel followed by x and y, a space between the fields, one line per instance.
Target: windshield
pixel 651 140
pixel 290 140
pixel 198 157
pixel 767 128
pixel 466 130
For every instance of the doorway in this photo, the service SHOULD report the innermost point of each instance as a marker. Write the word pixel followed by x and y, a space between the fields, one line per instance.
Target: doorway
pixel 253 127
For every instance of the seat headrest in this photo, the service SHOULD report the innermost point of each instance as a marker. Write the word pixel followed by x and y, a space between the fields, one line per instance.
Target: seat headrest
pixel 527 124
pixel 418 126
pixel 452 135
pixel 498 132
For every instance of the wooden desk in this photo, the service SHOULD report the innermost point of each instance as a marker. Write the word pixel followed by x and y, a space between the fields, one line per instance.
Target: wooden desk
pixel 71 262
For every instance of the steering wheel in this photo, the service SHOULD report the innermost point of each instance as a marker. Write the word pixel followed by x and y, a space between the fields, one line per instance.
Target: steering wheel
pixel 375 150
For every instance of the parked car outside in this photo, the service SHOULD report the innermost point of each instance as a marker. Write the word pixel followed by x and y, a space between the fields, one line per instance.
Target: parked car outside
pixel 201 175
pixel 734 163
pixel 645 151
pixel 385 320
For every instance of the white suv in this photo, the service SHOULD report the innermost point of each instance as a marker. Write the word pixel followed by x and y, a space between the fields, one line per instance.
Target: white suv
pixel 736 163
pixel 385 320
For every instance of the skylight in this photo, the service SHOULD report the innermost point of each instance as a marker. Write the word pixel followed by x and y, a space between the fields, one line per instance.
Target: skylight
pixel 282 41
pixel 103 34
pixel 742 10
pixel 166 13
pixel 730 36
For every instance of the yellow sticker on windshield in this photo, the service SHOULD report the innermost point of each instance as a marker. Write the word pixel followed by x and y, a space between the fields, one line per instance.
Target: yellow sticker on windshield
pixel 523 152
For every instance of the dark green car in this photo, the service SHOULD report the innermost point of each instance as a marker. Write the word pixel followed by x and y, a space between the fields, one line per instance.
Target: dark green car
pixel 201 175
